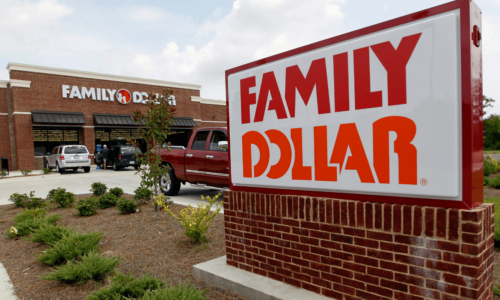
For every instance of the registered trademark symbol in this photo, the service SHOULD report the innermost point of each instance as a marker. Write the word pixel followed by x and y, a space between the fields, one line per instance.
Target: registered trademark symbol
pixel 423 181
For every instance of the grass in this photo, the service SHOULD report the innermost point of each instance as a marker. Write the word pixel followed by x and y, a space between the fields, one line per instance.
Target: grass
pixel 496 201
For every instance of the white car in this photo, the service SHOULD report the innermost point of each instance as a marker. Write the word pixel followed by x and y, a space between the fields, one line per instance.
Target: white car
pixel 71 157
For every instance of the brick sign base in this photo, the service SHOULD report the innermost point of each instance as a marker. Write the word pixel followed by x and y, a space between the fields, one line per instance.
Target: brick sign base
pixel 361 250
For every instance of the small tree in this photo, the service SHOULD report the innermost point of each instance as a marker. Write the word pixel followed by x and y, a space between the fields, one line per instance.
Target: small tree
pixel 487 103
pixel 155 128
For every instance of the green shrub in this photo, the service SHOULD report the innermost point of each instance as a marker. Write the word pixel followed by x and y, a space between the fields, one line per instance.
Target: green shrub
pixel 495 182
pixel 30 214
pixel 50 234
pixel 98 188
pixel 107 200
pixel 180 292
pixel 92 266
pixel 118 192
pixel 18 199
pixel 26 171
pixel 34 202
pixel 496 201
pixel 88 207
pixel 142 195
pixel 126 206
pixel 127 287
pixel 486 181
pixel 61 197
pixel 29 225
pixel 489 166
pixel 70 247
pixel 2 174
pixel 195 221
pixel 46 170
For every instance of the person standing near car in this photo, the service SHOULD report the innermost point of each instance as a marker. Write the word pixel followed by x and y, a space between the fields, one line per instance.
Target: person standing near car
pixel 104 154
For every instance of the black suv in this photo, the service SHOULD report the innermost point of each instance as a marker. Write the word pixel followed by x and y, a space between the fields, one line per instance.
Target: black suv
pixel 121 156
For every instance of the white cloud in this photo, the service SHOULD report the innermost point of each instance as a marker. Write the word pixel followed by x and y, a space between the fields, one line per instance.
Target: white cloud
pixel 24 22
pixel 491 60
pixel 254 29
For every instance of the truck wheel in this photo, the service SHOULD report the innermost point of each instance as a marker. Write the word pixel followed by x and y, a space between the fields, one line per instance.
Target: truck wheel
pixel 86 169
pixel 169 184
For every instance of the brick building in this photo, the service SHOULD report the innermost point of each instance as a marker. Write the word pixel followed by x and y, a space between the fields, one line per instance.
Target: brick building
pixel 43 107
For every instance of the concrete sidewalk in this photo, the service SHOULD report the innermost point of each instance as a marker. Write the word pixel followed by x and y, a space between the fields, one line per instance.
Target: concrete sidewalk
pixel 6 287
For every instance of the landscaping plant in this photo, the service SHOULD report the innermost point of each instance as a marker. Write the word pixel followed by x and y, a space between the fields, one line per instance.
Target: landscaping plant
pixel 29 224
pixel 488 166
pixel 142 195
pixel 46 170
pixel 486 181
pixel 196 221
pixel 3 174
pixel 50 234
pixel 495 182
pixel 155 122
pixel 88 207
pixel 26 171
pixel 118 192
pixel 496 201
pixel 107 200
pixel 98 188
pixel 61 197
pixel 28 214
pixel 126 206
pixel 127 287
pixel 18 199
pixel 34 202
pixel 70 247
pixel 92 266
pixel 180 292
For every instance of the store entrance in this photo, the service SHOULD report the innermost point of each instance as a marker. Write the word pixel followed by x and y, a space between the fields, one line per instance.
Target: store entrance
pixel 47 138
pixel 118 136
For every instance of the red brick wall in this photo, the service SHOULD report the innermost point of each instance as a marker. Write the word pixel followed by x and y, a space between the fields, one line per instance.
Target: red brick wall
pixel 4 127
pixel 25 149
pixel 360 250
pixel 45 94
pixel 208 112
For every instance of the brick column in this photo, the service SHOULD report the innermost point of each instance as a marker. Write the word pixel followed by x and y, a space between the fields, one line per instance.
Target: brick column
pixel 25 148
pixel 362 250
pixel 5 139
pixel 89 139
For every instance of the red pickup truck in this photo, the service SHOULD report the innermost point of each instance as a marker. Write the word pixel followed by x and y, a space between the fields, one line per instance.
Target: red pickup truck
pixel 204 163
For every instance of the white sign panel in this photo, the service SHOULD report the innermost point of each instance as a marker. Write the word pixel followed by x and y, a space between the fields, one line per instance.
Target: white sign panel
pixel 379 114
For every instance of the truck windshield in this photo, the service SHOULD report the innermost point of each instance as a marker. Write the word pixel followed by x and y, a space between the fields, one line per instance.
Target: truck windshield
pixel 75 150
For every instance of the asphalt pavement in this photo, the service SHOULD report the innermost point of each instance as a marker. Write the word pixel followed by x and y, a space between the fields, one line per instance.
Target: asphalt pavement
pixel 79 182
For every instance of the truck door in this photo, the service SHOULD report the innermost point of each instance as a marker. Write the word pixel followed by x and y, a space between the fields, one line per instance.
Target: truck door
pixel 216 163
pixel 195 158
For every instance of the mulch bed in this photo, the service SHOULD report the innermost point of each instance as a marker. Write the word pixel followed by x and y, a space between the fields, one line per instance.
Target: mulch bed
pixel 145 245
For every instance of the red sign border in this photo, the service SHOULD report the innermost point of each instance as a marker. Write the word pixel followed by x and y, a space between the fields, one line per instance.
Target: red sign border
pixel 472 147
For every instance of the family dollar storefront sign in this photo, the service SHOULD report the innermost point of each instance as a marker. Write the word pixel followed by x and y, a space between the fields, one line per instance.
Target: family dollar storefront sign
pixel 122 96
pixel 380 113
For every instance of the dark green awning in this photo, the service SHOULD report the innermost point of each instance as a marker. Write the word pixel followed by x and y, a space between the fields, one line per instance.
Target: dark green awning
pixel 50 117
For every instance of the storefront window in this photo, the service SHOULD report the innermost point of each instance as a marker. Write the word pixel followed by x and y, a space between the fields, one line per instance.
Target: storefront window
pixel 47 139
pixel 118 136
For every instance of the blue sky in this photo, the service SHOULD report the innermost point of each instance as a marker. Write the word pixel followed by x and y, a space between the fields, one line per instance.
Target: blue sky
pixel 196 41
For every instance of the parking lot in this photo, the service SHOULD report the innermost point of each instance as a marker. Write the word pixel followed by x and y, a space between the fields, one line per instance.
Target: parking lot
pixel 79 183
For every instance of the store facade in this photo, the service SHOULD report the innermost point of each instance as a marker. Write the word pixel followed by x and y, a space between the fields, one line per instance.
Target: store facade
pixel 44 107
